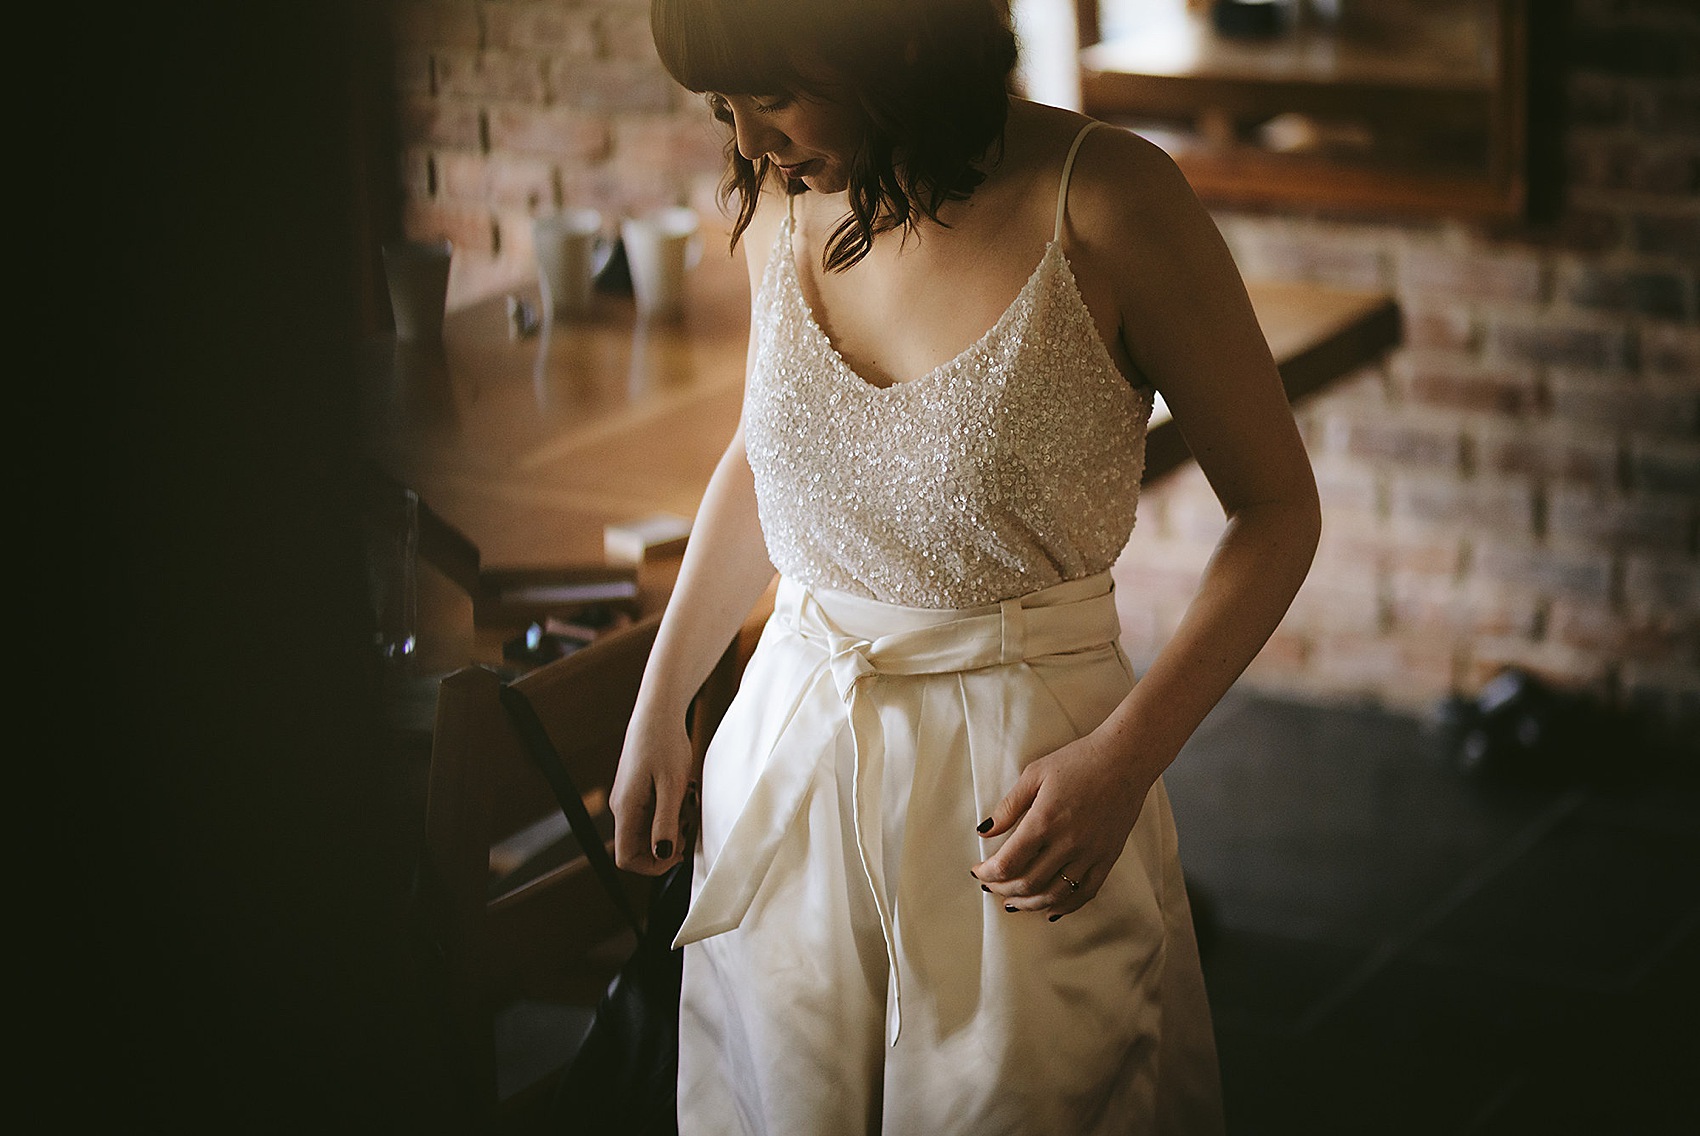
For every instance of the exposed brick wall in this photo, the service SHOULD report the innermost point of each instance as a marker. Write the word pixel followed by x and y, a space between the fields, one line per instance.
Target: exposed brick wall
pixel 509 109
pixel 1520 483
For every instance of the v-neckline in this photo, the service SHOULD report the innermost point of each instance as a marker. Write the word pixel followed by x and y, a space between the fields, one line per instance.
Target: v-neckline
pixel 842 365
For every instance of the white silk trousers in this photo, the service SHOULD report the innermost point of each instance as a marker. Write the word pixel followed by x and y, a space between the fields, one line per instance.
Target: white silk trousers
pixel 844 972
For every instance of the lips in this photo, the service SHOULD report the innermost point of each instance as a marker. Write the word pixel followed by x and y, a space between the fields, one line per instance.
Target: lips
pixel 794 171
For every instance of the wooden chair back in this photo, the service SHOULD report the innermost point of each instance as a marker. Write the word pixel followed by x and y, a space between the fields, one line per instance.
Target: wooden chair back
pixel 543 930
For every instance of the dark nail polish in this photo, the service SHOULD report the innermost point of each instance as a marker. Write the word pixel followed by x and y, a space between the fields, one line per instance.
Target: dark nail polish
pixel 664 849
pixel 985 889
pixel 1008 908
pixel 1054 918
pixel 983 826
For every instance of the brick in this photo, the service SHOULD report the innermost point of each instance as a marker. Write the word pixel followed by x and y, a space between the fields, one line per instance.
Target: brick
pixel 1644 520
pixel 1671 14
pixel 1674 170
pixel 1445 326
pixel 1420 605
pixel 1603 403
pixel 1588 230
pixel 1653 637
pixel 1599 162
pixel 469 227
pixel 1664 295
pixel 500 180
pixel 1673 235
pixel 612 84
pixel 1546 454
pixel 679 144
pixel 559 131
pixel 412 70
pixel 1504 507
pixel 625 34
pixel 1588 626
pixel 441 123
pixel 549 26
pixel 1595 99
pixel 1194 518
pixel 490 75
pixel 435 24
pixel 1409 668
pixel 1338 601
pixel 1661 582
pixel 1369 548
pixel 1274 250
pixel 1345 487
pixel 460 176
pixel 1668 109
pixel 1422 553
pixel 600 188
pixel 1457 382
pixel 1505 276
pixel 1669 696
pixel 1285 652
pixel 1566 668
pixel 416 171
pixel 1634 51
pixel 1669 350
pixel 1580 572
pixel 1640 164
pixel 1665 466
pixel 1401 442
pixel 1605 348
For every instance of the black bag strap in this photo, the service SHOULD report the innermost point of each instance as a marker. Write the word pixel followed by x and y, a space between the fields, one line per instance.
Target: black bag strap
pixel 530 728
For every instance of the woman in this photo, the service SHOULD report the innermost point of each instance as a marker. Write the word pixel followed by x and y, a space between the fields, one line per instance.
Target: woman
pixel 936 886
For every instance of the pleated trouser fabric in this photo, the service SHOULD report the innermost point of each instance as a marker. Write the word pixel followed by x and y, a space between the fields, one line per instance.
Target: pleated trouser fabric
pixel 845 974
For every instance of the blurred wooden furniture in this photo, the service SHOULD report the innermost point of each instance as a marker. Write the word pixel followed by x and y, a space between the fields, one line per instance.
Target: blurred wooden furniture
pixel 1393 105
pixel 528 938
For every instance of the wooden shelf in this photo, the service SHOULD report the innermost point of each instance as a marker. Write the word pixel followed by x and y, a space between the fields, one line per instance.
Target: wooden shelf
pixel 1434 108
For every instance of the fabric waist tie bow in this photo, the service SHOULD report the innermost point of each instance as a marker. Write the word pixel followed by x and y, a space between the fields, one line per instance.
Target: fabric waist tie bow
pixel 863 642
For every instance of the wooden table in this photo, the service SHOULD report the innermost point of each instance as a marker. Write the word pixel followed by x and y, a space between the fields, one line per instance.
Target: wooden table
pixel 530 446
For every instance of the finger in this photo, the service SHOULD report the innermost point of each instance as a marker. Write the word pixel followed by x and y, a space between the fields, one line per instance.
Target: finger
pixel 690 815
pixel 1014 861
pixel 633 822
pixel 1007 812
pixel 1041 886
pixel 1073 899
pixel 665 838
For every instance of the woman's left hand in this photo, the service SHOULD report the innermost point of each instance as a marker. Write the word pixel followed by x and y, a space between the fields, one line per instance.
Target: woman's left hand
pixel 1068 818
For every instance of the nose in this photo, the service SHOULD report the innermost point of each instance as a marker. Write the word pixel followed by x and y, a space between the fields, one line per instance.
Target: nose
pixel 755 137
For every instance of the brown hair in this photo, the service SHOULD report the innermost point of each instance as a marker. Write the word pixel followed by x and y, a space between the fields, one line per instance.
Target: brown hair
pixel 930 78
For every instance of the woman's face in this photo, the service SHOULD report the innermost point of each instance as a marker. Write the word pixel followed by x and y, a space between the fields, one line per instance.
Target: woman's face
pixel 809 138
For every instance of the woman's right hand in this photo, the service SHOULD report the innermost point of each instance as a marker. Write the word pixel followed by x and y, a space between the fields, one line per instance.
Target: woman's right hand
pixel 656 799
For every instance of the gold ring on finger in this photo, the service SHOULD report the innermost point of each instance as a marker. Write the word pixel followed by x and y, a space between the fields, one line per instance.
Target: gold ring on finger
pixel 1072 886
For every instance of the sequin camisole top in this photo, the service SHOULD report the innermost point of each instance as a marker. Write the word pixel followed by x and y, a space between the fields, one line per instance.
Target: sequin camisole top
pixel 1010 468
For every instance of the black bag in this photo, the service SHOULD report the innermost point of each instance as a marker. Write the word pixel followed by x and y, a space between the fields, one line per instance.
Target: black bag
pixel 623 1081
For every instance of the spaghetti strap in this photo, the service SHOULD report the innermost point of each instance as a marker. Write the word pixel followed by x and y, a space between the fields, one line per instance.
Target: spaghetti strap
pixel 1068 169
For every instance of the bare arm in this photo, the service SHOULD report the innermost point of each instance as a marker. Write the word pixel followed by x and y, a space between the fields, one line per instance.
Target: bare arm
pixel 1187 325
pixel 724 571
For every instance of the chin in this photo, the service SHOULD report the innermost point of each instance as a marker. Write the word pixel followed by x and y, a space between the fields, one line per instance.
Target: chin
pixel 826 182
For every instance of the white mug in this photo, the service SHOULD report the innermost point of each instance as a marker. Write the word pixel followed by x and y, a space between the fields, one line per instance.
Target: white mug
pixel 418 277
pixel 660 247
pixel 570 252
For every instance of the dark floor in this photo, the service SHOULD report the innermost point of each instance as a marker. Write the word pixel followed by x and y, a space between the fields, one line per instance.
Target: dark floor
pixel 1393 947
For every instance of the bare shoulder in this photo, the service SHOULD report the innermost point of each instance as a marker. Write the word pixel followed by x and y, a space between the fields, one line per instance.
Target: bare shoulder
pixel 757 240
pixel 1126 189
